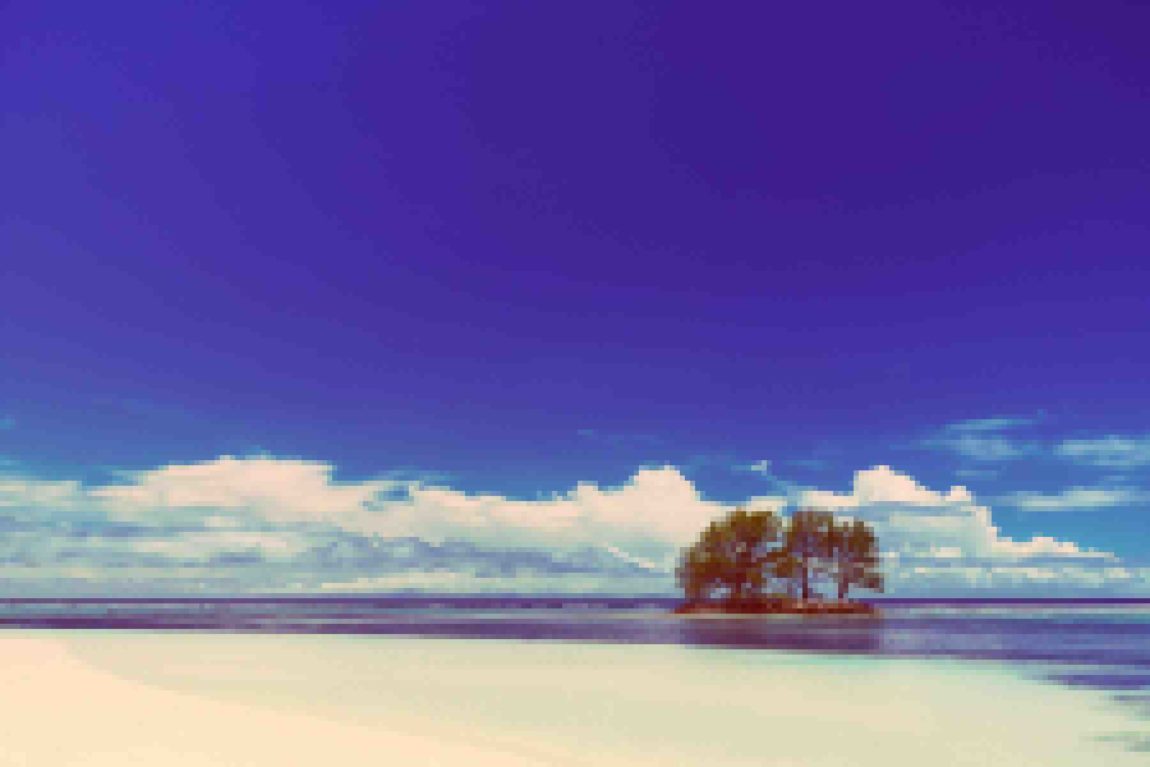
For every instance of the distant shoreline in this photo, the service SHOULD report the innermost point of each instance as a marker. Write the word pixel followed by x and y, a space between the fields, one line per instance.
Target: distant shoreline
pixel 404 599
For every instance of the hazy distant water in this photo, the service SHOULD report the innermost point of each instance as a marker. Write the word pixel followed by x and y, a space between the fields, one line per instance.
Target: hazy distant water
pixel 1105 645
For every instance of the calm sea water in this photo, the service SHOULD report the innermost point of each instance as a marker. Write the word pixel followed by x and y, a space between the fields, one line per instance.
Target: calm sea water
pixel 1101 644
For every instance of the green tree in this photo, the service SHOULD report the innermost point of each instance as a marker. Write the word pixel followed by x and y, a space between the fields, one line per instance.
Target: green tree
pixel 854 556
pixel 733 558
pixel 807 547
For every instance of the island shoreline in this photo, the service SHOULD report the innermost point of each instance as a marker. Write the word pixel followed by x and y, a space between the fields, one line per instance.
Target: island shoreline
pixel 784 607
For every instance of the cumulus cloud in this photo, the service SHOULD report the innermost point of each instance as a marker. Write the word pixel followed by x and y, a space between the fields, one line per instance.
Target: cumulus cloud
pixel 646 519
pixel 915 522
pixel 947 540
pixel 274 489
pixel 264 523
pixel 657 506
pixel 1112 451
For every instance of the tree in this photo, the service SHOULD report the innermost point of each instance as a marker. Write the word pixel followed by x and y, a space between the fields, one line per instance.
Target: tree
pixel 854 556
pixel 807 546
pixel 732 559
pixel 751 561
pixel 786 569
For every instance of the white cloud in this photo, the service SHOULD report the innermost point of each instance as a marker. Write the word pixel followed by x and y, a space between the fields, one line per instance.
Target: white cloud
pixel 656 506
pixel 775 503
pixel 1078 499
pixel 649 516
pixel 24 492
pixel 758 467
pixel 271 506
pixel 1112 451
pixel 275 489
pixel 984 439
pixel 210 544
pixel 946 539
pixel 998 423
pixel 268 523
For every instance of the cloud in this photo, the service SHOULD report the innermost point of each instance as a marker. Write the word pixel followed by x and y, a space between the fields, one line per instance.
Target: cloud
pixel 262 523
pixel 758 467
pixel 19 492
pixel 983 439
pixel 649 516
pixel 269 511
pixel 1078 499
pixel 1111 451
pixel 275 489
pixel 946 540
pixel 1000 423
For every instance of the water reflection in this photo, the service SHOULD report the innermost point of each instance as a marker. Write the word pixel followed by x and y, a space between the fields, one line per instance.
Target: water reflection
pixel 815 634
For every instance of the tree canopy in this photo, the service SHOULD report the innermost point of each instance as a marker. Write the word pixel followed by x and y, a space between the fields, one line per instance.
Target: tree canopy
pixel 732 556
pixel 750 558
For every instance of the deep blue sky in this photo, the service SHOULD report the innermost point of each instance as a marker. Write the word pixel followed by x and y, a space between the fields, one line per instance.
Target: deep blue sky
pixel 530 244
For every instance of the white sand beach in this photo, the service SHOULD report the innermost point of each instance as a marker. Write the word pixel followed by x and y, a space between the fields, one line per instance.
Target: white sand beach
pixel 104 699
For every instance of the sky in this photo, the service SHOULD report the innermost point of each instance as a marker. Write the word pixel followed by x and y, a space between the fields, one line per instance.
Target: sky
pixel 517 296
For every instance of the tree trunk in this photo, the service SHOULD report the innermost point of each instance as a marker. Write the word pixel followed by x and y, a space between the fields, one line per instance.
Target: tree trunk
pixel 805 579
pixel 737 588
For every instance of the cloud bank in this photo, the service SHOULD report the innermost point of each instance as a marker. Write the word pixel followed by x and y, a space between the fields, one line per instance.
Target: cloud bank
pixel 264 524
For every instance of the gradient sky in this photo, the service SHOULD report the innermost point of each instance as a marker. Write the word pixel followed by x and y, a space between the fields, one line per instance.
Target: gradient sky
pixel 496 252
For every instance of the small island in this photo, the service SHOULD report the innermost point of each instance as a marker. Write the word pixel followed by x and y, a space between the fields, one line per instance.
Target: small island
pixel 755 563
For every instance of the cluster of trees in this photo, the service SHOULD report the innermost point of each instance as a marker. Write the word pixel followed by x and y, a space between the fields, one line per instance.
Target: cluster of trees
pixel 752 557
